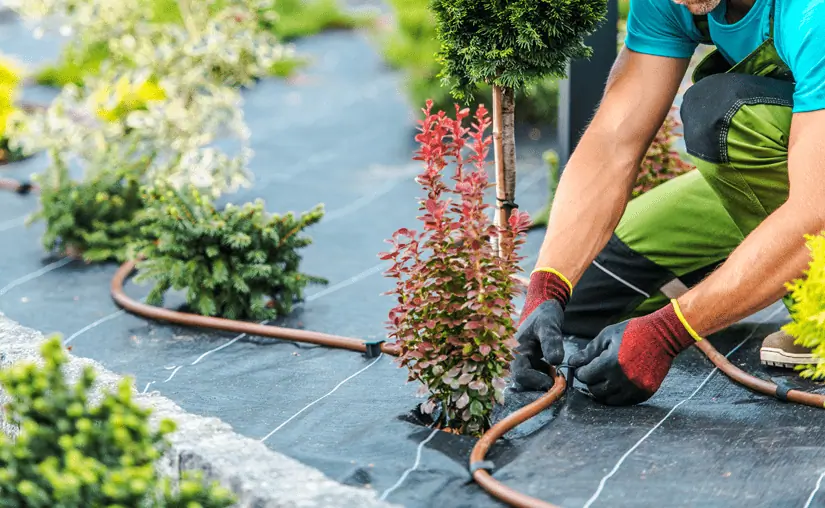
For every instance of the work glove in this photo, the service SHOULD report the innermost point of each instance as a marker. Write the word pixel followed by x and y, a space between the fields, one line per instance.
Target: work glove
pixel 626 363
pixel 539 332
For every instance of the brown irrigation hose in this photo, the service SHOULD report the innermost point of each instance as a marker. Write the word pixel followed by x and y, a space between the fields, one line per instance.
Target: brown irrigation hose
pixel 486 441
pixel 230 325
pixel 491 485
pixel 477 466
pixel 756 384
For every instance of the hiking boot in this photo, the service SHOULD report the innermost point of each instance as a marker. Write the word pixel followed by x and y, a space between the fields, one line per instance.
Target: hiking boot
pixel 778 350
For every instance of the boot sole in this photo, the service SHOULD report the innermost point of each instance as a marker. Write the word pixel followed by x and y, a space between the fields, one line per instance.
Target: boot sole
pixel 774 357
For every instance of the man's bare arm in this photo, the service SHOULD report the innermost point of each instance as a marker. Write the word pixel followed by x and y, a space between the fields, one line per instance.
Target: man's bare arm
pixel 755 274
pixel 597 181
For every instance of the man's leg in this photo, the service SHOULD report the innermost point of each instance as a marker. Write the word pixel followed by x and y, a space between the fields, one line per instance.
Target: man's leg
pixel 744 157
pixel 668 240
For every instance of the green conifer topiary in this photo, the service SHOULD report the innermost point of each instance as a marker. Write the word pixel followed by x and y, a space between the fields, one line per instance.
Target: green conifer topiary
pixel 510 46
pixel 229 261
pixel 411 46
pixel 73 453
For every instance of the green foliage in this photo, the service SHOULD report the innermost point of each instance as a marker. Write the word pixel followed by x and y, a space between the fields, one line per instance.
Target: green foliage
pixel 807 307
pixel 412 46
pixel 73 453
pixel 292 18
pixel 295 19
pixel 74 65
pixel 302 18
pixel 95 217
pixel 228 260
pixel 624 9
pixel 551 158
pixel 511 44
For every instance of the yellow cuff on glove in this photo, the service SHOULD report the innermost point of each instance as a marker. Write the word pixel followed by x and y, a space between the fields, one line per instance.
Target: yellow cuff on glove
pixel 681 317
pixel 556 273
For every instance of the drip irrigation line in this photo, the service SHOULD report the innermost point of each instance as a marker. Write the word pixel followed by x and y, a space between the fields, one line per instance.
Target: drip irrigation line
pixel 478 466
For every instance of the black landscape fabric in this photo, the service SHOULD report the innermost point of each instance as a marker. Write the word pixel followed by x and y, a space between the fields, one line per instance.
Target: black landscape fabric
pixel 343 136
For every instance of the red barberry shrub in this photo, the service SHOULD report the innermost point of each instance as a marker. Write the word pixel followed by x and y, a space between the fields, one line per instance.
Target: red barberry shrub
pixel 662 162
pixel 453 323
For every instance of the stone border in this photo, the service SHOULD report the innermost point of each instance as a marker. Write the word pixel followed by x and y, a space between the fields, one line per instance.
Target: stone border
pixel 260 477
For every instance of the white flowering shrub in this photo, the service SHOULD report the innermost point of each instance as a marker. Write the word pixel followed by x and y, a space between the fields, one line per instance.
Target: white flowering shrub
pixel 84 126
pixel 164 104
pixel 224 39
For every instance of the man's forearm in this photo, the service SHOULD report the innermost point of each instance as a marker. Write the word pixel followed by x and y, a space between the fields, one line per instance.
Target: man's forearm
pixel 596 184
pixel 755 274
pixel 591 197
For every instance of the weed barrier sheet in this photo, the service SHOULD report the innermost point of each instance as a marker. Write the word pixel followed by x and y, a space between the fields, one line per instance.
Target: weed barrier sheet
pixel 342 134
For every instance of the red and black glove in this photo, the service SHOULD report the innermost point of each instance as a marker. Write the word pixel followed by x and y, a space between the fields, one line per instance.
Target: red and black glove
pixel 626 363
pixel 539 331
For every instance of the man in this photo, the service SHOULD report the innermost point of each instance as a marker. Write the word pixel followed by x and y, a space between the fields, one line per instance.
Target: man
pixel 650 277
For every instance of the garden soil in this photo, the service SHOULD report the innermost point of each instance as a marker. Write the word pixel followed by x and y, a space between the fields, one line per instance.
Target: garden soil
pixel 341 134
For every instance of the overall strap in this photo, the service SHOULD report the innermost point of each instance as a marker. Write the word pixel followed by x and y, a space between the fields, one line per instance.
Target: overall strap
pixel 701 22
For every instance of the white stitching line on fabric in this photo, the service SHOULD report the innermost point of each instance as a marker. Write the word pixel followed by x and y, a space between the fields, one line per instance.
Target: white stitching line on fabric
pixel 88 327
pixel 319 399
pixel 723 148
pixel 320 294
pixel 633 448
pixel 815 491
pixel 26 278
pixel 631 286
pixel 415 465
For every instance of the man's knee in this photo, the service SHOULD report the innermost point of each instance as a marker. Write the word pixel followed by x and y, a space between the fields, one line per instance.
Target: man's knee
pixel 735 108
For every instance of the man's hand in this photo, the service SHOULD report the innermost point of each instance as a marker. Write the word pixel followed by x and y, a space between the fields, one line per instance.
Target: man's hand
pixel 627 362
pixel 539 333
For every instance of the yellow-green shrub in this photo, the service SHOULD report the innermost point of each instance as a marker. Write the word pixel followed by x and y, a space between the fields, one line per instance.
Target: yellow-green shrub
pixel 9 83
pixel 73 453
pixel 807 306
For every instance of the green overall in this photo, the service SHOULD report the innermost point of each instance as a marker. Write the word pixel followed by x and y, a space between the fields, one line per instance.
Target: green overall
pixel 736 124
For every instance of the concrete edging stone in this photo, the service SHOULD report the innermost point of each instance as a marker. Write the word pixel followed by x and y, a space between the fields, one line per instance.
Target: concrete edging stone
pixel 259 476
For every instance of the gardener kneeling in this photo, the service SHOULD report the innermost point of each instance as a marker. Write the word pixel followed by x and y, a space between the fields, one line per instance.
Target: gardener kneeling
pixel 646 279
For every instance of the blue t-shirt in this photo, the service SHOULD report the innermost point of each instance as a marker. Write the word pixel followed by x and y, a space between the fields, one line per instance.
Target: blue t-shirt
pixel 664 28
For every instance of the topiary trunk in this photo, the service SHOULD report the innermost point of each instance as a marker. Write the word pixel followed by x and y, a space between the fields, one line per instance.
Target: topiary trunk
pixel 504 147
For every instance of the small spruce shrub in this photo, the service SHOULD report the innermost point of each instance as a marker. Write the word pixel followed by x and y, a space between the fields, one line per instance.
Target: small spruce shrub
pixel 228 261
pixel 661 162
pixel 71 452
pixel 453 321
pixel 806 302
pixel 93 218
